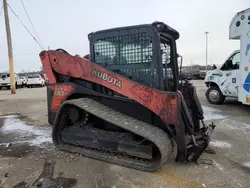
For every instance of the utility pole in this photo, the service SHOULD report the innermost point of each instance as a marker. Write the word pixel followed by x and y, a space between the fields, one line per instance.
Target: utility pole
pixel 206 33
pixel 11 64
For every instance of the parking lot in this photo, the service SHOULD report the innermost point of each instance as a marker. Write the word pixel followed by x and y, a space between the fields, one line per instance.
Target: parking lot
pixel 28 155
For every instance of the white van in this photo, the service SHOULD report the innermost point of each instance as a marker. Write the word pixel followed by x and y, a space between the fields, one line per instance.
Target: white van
pixel 232 79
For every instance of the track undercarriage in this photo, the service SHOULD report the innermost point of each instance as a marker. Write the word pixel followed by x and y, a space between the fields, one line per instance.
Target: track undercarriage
pixel 110 136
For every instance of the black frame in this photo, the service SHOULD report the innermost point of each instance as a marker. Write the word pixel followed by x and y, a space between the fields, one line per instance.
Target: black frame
pixel 173 60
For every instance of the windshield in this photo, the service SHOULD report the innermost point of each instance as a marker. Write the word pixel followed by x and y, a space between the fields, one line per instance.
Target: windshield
pixel 33 76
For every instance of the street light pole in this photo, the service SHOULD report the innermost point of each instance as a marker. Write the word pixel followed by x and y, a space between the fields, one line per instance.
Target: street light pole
pixel 191 65
pixel 206 33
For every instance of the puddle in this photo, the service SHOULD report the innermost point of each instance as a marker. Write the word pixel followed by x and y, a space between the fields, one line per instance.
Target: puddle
pixel 220 144
pixel 16 150
pixel 212 113
pixel 17 132
pixel 46 180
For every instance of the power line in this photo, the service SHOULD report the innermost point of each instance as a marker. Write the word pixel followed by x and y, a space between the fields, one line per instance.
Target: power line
pixel 25 54
pixel 25 26
pixel 30 21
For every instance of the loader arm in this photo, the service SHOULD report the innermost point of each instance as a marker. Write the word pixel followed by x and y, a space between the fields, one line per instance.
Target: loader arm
pixel 165 104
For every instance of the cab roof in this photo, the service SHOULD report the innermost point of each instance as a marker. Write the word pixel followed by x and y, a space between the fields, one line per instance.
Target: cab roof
pixel 156 26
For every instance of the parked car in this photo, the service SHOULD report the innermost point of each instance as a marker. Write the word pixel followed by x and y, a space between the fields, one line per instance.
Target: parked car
pixel 199 75
pixel 24 80
pixel 186 76
pixel 35 80
pixel 5 80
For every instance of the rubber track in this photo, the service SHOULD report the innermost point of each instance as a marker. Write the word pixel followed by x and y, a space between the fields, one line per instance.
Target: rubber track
pixel 152 133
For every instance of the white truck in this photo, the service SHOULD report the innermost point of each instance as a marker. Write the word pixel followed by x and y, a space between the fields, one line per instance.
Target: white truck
pixel 5 80
pixel 232 79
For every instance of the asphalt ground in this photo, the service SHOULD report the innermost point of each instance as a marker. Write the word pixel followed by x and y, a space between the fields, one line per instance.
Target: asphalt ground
pixel 28 157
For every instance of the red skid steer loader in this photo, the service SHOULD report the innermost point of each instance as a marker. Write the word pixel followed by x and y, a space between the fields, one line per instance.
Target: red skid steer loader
pixel 125 104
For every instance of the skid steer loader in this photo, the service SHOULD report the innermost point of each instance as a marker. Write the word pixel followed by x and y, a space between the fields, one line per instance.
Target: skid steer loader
pixel 125 104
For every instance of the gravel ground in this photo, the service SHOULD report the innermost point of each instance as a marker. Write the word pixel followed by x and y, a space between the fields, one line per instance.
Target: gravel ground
pixel 28 156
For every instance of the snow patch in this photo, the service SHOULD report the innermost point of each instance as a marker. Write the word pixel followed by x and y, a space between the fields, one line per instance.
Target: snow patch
pixel 247 126
pixel 8 116
pixel 220 144
pixel 211 113
pixel 246 164
pixel 36 136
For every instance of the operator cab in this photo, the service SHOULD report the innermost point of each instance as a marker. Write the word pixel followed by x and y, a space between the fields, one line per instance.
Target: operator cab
pixel 135 52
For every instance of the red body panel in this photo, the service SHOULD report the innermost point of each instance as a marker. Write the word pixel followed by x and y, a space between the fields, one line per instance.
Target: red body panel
pixel 165 104
pixel 61 92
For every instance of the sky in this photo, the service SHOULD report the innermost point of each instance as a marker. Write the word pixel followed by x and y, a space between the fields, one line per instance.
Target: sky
pixel 66 24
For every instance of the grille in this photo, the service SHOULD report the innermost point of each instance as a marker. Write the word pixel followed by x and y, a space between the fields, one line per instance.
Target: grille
pixel 128 55
pixel 124 49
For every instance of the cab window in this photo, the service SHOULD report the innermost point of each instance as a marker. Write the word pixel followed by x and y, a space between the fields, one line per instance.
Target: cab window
pixel 233 63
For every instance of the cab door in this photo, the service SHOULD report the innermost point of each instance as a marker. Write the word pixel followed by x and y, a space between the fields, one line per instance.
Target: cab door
pixel 230 76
